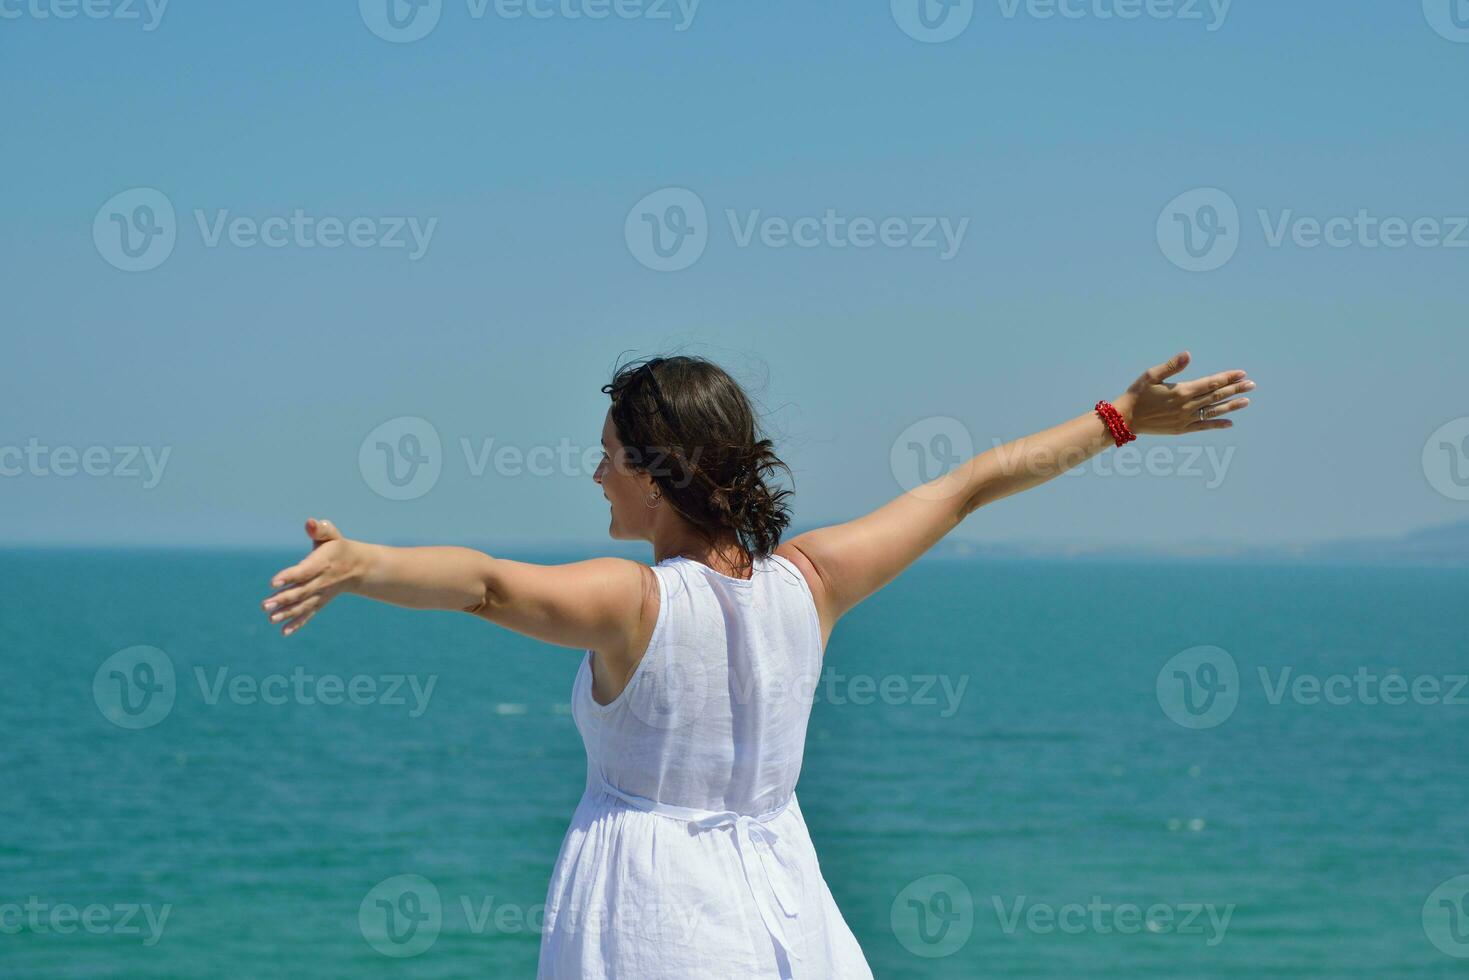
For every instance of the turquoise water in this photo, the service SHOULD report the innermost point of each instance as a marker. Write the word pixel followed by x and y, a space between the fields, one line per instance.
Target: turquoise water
pixel 1052 779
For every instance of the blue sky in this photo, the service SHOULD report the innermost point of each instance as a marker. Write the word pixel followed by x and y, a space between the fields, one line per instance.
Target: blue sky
pixel 520 148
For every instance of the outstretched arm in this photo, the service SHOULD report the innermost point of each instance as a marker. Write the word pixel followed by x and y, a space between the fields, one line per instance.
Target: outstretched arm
pixel 594 605
pixel 846 563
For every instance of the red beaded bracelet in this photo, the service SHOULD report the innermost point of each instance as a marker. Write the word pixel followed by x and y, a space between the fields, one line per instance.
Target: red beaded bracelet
pixel 1116 425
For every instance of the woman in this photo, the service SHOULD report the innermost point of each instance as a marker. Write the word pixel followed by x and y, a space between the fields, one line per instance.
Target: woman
pixel 688 855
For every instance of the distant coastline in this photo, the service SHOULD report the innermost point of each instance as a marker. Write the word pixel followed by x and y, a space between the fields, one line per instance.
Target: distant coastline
pixel 1440 544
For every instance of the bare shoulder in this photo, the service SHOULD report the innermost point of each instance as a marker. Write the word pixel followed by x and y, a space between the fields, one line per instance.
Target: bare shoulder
pixel 797 551
pixel 628 590
pixel 793 552
pixel 634 588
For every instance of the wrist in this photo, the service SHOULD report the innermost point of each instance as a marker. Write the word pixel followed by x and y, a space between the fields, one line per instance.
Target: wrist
pixel 1115 420
pixel 1126 406
pixel 362 559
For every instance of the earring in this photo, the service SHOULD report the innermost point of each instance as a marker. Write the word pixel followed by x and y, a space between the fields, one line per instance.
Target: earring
pixel 652 500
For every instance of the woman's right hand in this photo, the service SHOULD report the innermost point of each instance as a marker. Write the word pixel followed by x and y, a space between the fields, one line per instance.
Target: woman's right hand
pixel 305 588
pixel 1156 406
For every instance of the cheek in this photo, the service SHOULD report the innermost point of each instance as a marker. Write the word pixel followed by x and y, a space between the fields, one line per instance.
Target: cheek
pixel 615 484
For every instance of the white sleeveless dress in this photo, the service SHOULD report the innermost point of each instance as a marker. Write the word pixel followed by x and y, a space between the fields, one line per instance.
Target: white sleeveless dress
pixel 687 856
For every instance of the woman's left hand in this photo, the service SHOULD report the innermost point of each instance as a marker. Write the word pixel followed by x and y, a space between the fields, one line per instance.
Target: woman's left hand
pixel 1154 405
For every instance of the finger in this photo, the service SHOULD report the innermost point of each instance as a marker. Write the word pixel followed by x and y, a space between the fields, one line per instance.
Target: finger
pixel 1223 408
pixel 1169 368
pixel 1203 386
pixel 296 624
pixel 321 530
pixel 290 596
pixel 1219 394
pixel 284 613
pixel 304 571
pixel 1211 424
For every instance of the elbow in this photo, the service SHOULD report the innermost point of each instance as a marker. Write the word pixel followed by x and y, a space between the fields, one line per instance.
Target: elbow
pixel 482 595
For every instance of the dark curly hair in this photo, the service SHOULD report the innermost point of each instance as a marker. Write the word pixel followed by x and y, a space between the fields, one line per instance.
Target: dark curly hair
pixel 691 427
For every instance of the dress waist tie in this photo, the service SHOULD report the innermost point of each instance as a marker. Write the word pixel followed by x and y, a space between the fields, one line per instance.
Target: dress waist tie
pixel 779 908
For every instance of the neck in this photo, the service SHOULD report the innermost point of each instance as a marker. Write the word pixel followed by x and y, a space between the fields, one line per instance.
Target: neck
pixel 724 555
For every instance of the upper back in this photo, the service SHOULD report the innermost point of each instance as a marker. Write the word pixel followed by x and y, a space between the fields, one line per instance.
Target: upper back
pixel 714 716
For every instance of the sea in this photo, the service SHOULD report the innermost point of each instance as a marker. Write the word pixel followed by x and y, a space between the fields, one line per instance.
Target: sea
pixel 1014 768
